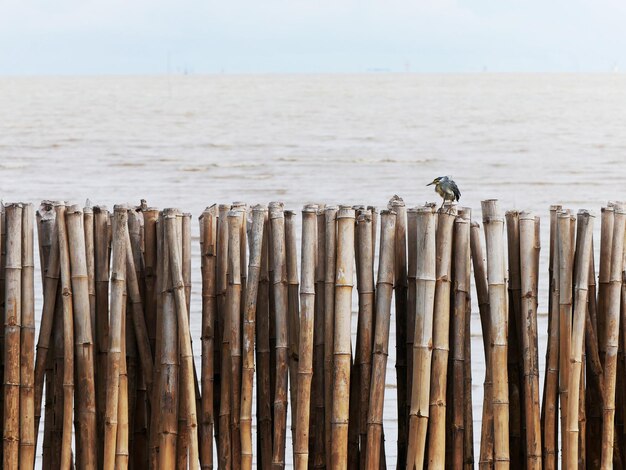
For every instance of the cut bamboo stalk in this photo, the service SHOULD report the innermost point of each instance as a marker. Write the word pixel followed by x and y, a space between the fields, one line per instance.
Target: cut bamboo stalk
pixel 186 353
pixel 249 325
pixel 279 281
pixel 411 231
pixel 468 414
pixel 441 339
pixel 3 258
pixel 461 290
pixel 374 212
pixel 565 315
pixel 583 255
pixel 208 252
pixel 330 236
pixel 59 358
pixel 612 319
pixel 482 293
pixel 305 346
pixel 319 459
pixel 384 292
pixel 365 332
pixel 264 398
pixel 150 216
pixel 12 334
pixel 118 285
pixel 529 286
pixel 493 225
pixel 425 280
pixel 549 411
pixel 121 445
pixel 400 293
pixel 341 341
pixel 86 433
pixel 91 262
pixel 50 284
pixel 604 275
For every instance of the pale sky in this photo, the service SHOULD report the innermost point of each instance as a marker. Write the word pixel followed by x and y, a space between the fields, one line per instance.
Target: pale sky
pixel 39 37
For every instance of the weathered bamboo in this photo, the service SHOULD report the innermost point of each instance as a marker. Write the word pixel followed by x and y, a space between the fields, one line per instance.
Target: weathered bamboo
pixel 279 281
pixel 305 349
pixel 86 433
pixel 528 330
pixel 341 339
pixel 318 431
pixel 411 234
pixel 249 321
pixel 604 275
pixel 425 280
pixel 91 262
pixel 121 444
pixel 50 284
pixel 329 320
pixel 612 320
pixel 187 384
pixel 222 353
pixel 583 255
pixel 384 291
pixel 441 339
pixel 59 358
pixel 208 251
pixel 482 293
pixel 264 398
pixel 549 411
pixel 12 334
pixel 150 216
pixel 3 258
pixel 461 290
pixel 468 413
pixel 118 285
pixel 493 226
pixel 365 328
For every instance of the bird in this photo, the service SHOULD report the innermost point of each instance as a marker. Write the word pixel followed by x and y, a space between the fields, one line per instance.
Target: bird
pixel 446 188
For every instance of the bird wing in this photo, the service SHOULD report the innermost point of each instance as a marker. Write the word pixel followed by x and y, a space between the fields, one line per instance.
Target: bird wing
pixel 455 190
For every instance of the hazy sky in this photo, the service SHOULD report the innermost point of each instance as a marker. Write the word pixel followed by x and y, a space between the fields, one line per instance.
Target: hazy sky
pixel 239 36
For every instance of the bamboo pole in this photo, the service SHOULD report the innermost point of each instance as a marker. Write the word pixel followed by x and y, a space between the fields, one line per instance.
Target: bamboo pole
pixel 411 231
pixel 441 339
pixel 425 280
pixel 88 229
pixel 493 225
pixel 583 255
pixel 384 290
pixel 604 275
pixel 150 216
pixel 461 289
pixel 249 321
pixel 264 399
pixel 318 431
pixel 121 444
pixel 365 332
pixel 186 353
pixel 305 347
pixel 612 318
pixel 12 334
pixel 118 284
pixel 59 358
pixel 208 251
pixel 482 293
pixel 279 281
pixel 468 415
pixel 222 353
pixel 549 411
pixel 330 236
pixel 86 434
pixel 528 330
pixel 3 308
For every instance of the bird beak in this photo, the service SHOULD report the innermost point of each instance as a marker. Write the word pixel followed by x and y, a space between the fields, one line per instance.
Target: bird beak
pixel 430 183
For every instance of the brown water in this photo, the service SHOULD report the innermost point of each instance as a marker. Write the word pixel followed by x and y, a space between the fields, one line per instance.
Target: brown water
pixel 190 141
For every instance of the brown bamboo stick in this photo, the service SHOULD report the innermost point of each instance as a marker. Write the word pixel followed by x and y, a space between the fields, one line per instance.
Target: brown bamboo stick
pixel 91 262
pixel 604 275
pixel 305 347
pixel 264 407
pixel 208 252
pixel 118 284
pixel 425 281
pixel 612 319
pixel 86 433
pixel 3 258
pixel 329 321
pixel 461 253
pixel 12 334
pixel 549 411
pixel 250 305
pixel 365 328
pixel 384 290
pixel 59 358
pixel 150 216
pixel 411 233
pixel 529 286
pixel 319 459
pixel 468 414
pixel 493 225
pixel 279 281
pixel 583 255
pixel 186 353
pixel 441 339
pixel 121 444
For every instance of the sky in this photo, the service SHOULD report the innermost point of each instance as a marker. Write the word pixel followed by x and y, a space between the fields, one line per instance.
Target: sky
pixel 85 37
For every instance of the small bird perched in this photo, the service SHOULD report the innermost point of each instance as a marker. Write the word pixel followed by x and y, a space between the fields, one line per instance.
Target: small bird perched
pixel 446 188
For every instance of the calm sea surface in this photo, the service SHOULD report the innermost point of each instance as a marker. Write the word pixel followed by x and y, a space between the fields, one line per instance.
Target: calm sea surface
pixel 189 141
